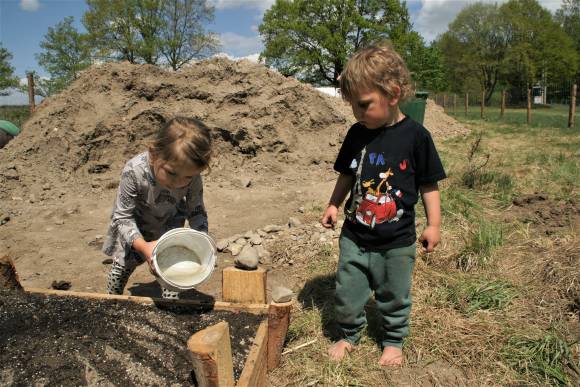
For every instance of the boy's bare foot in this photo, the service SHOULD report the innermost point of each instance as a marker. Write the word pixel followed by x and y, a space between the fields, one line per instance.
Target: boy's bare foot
pixel 337 350
pixel 392 357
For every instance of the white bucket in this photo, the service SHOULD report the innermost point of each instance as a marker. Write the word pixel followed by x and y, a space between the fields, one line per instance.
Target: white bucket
pixel 183 258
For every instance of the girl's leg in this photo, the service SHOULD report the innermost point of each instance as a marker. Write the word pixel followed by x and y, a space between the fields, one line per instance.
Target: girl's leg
pixel 352 290
pixel 121 270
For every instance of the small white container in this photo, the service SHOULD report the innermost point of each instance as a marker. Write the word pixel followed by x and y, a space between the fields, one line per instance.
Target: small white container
pixel 183 258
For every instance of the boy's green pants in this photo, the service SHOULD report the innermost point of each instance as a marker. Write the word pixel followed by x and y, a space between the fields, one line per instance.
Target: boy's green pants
pixel 389 274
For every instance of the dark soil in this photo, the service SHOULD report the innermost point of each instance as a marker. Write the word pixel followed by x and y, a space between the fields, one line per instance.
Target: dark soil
pixel 54 341
pixel 546 215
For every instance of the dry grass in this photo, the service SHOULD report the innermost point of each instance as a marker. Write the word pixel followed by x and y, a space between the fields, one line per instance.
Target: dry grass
pixel 496 304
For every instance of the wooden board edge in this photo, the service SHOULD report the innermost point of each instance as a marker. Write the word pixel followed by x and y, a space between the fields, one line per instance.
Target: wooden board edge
pixel 255 372
pixel 216 305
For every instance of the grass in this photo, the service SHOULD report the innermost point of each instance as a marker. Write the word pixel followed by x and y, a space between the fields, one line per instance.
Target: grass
pixel 472 295
pixel 547 359
pixel 486 299
pixel 554 117
pixel 15 114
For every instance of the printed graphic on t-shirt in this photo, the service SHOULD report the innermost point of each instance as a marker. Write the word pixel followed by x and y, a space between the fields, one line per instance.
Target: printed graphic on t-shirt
pixel 379 201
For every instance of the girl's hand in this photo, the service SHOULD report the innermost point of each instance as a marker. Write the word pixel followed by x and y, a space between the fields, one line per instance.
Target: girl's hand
pixel 430 238
pixel 146 250
pixel 330 216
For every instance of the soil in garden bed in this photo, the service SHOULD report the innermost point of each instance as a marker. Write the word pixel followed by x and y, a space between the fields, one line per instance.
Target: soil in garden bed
pixel 49 340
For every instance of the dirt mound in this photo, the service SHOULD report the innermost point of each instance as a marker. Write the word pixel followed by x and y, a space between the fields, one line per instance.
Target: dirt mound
pixel 111 112
pixel 440 124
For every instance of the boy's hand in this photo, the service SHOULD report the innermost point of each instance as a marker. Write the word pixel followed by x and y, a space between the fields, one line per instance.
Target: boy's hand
pixel 330 216
pixel 430 238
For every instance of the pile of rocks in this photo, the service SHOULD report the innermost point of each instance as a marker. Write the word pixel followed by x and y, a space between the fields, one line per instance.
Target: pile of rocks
pixel 250 248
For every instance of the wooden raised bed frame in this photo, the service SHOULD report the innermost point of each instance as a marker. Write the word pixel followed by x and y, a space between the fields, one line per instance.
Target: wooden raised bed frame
pixel 210 348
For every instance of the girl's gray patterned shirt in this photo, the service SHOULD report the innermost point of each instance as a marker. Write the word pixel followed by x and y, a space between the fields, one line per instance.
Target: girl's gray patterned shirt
pixel 145 209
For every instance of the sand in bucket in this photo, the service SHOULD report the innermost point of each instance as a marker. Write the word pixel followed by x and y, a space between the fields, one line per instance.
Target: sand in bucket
pixel 182 264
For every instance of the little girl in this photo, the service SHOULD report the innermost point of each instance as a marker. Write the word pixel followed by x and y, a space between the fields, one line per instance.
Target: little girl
pixel 158 191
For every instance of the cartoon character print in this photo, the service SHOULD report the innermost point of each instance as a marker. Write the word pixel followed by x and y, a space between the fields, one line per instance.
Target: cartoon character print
pixel 378 207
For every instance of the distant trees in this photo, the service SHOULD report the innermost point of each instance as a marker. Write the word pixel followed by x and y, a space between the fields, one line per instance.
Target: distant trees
pixel 518 43
pixel 65 53
pixel 7 78
pixel 313 39
pixel 146 30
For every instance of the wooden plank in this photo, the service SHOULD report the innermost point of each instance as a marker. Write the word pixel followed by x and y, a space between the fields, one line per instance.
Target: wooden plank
pixel 211 354
pixel 255 373
pixel 216 305
pixel 278 321
pixel 8 275
pixel 244 285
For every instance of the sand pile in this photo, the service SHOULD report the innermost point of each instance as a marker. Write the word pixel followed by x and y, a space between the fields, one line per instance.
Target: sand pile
pixel 440 124
pixel 261 121
pixel 113 110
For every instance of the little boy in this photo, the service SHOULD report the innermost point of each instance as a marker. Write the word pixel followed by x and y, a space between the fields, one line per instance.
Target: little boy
pixel 385 161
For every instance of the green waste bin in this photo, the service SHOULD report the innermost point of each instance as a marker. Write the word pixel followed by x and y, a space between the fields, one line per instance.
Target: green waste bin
pixel 415 107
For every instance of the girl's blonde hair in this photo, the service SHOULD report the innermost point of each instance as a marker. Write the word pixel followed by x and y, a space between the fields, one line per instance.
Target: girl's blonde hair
pixel 377 67
pixel 183 140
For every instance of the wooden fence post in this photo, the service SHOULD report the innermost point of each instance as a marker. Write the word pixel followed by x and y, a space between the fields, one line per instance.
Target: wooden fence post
pixel 529 107
pixel 444 101
pixel 454 103
pixel 466 103
pixel 278 321
pixel 30 77
pixel 502 111
pixel 572 111
pixel 482 102
pixel 211 354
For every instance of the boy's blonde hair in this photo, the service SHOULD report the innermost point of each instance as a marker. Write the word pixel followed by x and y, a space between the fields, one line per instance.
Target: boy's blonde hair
pixel 183 140
pixel 377 67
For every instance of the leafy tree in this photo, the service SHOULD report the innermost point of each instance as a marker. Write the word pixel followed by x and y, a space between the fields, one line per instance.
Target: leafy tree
pixel 111 25
pixel 65 54
pixel 312 39
pixel 145 30
pixel 568 16
pixel 538 47
pixel 184 37
pixel 7 78
pixel 475 47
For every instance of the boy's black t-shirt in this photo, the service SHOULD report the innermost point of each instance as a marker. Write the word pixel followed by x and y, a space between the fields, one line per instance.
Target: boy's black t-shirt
pixel 397 160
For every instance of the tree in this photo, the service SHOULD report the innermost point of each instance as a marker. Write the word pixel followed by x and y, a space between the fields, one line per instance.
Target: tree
pixel 538 47
pixel 475 47
pixel 184 37
pixel 145 30
pixel 312 39
pixel 7 78
pixel 65 54
pixel 568 16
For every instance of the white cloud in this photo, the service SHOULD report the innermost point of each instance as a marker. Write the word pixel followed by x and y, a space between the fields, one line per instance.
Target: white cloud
pixel 30 5
pixel 256 4
pixel 252 57
pixel 239 45
pixel 433 16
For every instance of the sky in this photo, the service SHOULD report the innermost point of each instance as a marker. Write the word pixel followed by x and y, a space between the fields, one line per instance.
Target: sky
pixel 23 24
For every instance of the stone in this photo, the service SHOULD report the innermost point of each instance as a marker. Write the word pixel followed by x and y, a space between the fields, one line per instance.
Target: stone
pixel 282 294
pixel 262 233
pixel 59 221
pixel 222 244
pixel 294 222
pixel 264 255
pixel 32 198
pixel 241 241
pixel 248 258
pixel 301 210
pixel 255 240
pixel 249 234
pixel 46 187
pixel 235 249
pixel 11 174
pixel 272 228
pixel 245 182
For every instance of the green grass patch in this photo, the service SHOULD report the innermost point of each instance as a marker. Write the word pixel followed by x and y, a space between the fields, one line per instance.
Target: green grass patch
pixel 472 295
pixel 459 202
pixel 547 359
pixel 481 241
pixel 15 114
